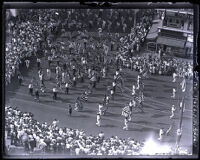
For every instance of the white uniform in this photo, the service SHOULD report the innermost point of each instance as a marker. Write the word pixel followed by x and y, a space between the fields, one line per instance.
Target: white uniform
pixel 125 124
pixel 48 73
pixel 174 77
pixel 138 82
pixel 173 93
pixel 98 120
pixel 173 110
pixel 133 90
pixel 27 63
pixel 183 85
pixel 161 132
pixel 100 109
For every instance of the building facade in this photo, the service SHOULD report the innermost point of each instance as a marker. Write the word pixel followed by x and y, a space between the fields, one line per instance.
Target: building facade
pixel 175 35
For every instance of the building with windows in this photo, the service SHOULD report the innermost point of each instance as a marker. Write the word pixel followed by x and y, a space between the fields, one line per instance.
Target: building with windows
pixel 174 34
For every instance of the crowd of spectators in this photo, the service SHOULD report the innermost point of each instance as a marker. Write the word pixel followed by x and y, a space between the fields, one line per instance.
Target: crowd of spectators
pixel 156 66
pixel 23 130
pixel 30 28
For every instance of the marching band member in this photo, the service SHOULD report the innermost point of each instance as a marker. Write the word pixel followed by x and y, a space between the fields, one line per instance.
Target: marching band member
pixel 183 85
pixel 30 86
pixel 66 88
pixel 173 93
pixel 100 109
pixel 178 139
pixel 172 111
pixel 98 120
pixel 114 86
pixel 138 81
pixel 48 73
pixel 161 133
pixel 133 90
pixel 112 93
pixel 55 93
pixel 126 125
pixel 27 63
pixel 174 75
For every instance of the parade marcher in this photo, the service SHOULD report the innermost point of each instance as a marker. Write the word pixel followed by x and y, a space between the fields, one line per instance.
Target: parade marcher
pixel 178 139
pixel 126 125
pixel 74 81
pixel 63 77
pixel 138 81
pixel 20 79
pixel 101 109
pixel 78 105
pixel 37 94
pixel 114 86
pixel 173 93
pixel 48 73
pixel 38 63
pixel 27 63
pixel 172 111
pixel 55 93
pixel 49 61
pixel 112 94
pixel 174 75
pixel 133 90
pixel 98 120
pixel 183 85
pixel 70 109
pixel 104 72
pixel 67 88
pixel 84 96
pixel 41 77
pixel 30 86
pixel 161 133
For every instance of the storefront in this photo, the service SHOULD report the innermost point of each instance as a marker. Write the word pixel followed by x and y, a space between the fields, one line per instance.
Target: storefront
pixel 171 46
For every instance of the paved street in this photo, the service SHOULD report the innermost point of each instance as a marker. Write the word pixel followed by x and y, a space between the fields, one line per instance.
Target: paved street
pixel 157 107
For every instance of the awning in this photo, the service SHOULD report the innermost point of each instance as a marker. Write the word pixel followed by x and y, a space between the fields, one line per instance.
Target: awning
pixel 189 45
pixel 171 42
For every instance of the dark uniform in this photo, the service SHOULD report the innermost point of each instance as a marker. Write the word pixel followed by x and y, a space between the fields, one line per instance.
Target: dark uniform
pixel 70 110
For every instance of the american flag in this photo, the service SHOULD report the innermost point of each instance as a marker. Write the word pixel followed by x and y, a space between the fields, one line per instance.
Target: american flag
pixel 125 111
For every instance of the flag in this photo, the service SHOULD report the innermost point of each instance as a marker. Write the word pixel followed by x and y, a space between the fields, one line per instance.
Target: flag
pixel 125 111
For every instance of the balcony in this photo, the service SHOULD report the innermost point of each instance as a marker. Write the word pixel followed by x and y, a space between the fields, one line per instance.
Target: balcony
pixel 176 29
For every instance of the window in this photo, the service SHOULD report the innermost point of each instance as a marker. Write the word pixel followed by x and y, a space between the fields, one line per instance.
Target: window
pixel 177 21
pixel 170 20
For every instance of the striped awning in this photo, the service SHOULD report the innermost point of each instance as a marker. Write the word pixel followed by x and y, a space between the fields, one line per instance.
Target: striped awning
pixel 171 42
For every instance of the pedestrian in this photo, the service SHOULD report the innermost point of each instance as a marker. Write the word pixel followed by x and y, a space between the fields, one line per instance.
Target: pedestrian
pixel 30 86
pixel 55 93
pixel 70 110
